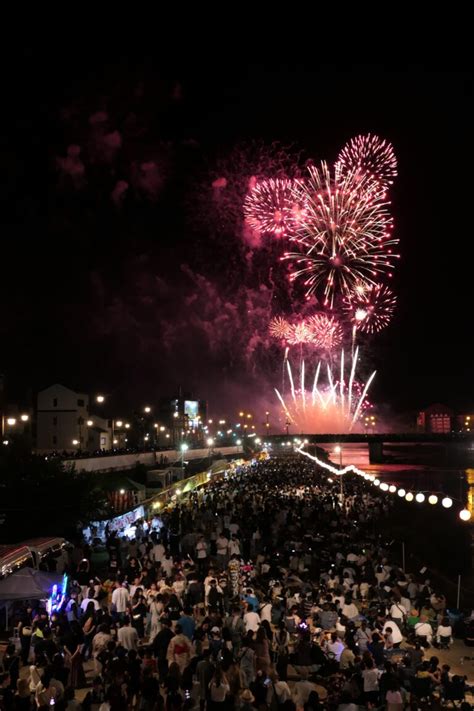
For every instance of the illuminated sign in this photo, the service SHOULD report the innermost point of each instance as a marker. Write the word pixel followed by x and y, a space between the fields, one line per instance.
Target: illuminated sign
pixel 191 409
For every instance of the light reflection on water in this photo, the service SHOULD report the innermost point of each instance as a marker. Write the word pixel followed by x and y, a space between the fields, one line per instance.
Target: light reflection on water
pixel 427 477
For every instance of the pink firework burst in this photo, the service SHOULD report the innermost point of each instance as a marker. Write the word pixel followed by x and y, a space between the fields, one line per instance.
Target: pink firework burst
pixel 279 328
pixel 345 237
pixel 371 156
pixel 299 333
pixel 273 207
pixel 371 309
pixel 327 331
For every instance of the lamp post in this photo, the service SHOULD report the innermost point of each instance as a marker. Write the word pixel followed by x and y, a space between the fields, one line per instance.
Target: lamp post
pixel 184 448
pixel 10 421
pixel 210 443
pixel 338 450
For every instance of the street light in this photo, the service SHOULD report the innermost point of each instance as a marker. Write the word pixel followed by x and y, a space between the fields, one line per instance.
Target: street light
pixel 24 418
pixel 100 399
pixel 184 448
pixel 89 423
pixel 11 421
pixel 147 409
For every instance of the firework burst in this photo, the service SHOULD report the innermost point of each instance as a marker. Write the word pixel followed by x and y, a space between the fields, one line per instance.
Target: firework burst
pixel 300 332
pixel 345 237
pixel 334 406
pixel 371 309
pixel 279 328
pixel 371 156
pixel 271 207
pixel 327 331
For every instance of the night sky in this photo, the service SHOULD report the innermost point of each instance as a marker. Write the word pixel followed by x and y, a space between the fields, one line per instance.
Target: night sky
pixel 97 287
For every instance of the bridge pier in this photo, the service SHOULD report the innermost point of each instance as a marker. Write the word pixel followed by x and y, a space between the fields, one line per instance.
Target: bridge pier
pixel 375 452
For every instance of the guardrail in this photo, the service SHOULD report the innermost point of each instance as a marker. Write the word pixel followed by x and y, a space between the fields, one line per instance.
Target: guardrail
pixel 149 459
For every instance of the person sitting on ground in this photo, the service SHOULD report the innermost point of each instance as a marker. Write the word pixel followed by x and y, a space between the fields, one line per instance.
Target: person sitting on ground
pixel 424 630
pixel 444 633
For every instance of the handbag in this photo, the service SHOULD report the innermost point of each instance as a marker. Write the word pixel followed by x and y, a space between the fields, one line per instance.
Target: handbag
pixel 26 631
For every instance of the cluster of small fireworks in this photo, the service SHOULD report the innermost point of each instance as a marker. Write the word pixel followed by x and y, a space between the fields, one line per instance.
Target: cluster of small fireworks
pixel 272 207
pixel 333 406
pixel 345 252
pixel 370 309
pixel 322 331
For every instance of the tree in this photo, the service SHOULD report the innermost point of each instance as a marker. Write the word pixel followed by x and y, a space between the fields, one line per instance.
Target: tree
pixel 39 496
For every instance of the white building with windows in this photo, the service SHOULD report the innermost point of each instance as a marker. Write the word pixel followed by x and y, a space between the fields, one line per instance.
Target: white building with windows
pixel 63 422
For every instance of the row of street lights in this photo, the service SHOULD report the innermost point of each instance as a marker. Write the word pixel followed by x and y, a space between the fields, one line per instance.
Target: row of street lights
pixel 8 423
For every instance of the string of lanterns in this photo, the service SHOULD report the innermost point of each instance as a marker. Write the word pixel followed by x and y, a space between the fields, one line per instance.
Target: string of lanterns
pixel 409 496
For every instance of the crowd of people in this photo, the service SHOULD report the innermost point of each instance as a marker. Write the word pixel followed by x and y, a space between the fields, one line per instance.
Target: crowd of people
pixel 267 589
pixel 114 451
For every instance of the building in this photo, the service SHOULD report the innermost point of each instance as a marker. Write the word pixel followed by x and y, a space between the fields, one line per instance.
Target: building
pixel 441 419
pixel 184 418
pixel 465 423
pixel 63 422
pixel 436 419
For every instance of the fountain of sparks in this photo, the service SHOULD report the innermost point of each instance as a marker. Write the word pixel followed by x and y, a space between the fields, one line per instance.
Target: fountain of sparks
pixel 333 406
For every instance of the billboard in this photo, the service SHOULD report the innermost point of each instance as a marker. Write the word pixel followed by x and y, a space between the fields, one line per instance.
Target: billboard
pixel 191 409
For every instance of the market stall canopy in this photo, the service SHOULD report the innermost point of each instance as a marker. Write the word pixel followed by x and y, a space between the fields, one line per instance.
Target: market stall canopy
pixel 28 584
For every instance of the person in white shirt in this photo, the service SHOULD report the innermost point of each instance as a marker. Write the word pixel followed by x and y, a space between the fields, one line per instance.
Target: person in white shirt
pixel 222 547
pixel 350 610
pixel 398 612
pixel 234 545
pixel 89 598
pixel 335 646
pixel 120 599
pixel 179 586
pixel 127 636
pixel 282 690
pixel 167 565
pixel 303 688
pixel 424 629
pixel 201 553
pixel 405 602
pixel 397 636
pixel 251 619
pixel 218 688
pixel 266 611
pixel 234 528
pixel 444 633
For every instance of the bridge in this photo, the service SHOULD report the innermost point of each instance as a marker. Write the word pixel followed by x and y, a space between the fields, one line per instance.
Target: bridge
pixel 455 445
